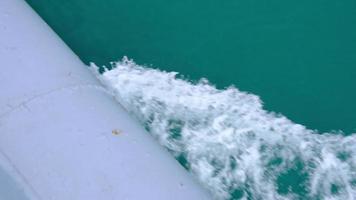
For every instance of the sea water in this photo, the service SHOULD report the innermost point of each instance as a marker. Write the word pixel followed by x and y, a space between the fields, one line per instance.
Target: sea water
pixel 298 56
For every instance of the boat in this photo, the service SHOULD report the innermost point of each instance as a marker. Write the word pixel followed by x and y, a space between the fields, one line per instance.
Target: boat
pixel 63 135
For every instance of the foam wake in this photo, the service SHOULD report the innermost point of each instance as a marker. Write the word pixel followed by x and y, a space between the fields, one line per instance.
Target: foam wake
pixel 233 146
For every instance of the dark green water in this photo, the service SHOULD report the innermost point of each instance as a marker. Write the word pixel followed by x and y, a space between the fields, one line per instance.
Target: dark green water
pixel 298 56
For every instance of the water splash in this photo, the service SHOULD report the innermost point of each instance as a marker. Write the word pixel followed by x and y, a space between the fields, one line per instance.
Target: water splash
pixel 230 143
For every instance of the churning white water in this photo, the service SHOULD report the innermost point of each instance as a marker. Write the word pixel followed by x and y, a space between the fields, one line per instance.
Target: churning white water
pixel 230 143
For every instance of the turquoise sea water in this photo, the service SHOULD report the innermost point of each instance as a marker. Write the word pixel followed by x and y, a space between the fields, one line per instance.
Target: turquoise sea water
pixel 299 57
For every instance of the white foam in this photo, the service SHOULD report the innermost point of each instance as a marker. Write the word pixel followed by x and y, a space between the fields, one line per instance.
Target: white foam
pixel 230 143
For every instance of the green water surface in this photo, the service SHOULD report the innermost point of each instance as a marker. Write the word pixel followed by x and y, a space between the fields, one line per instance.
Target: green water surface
pixel 299 56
